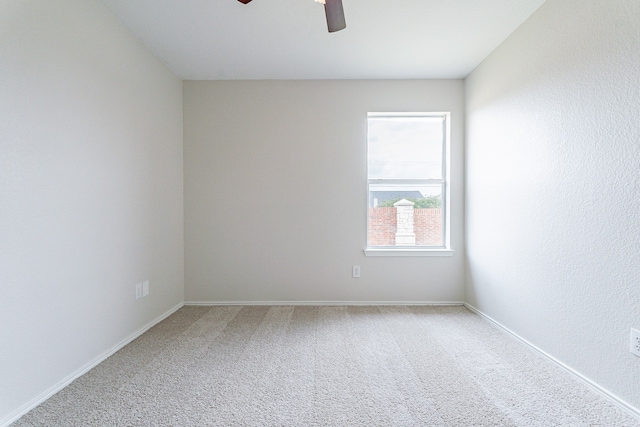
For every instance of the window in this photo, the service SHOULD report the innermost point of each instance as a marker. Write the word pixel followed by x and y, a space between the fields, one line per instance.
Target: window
pixel 407 162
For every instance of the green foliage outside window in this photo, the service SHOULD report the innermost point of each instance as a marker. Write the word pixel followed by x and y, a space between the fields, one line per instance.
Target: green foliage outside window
pixel 430 202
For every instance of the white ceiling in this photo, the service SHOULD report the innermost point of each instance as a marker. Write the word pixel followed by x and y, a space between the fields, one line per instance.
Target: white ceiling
pixel 288 39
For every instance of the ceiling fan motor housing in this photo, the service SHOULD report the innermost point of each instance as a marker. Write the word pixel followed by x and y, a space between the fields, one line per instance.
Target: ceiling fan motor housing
pixel 334 12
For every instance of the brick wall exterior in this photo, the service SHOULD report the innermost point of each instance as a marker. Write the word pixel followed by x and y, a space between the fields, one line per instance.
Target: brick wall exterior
pixel 382 226
pixel 427 225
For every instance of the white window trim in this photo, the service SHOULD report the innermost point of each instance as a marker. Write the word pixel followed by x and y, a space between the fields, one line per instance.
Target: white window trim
pixel 423 251
pixel 408 252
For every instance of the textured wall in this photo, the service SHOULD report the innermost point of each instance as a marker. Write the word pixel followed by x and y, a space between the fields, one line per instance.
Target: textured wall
pixel 90 190
pixel 276 192
pixel 552 185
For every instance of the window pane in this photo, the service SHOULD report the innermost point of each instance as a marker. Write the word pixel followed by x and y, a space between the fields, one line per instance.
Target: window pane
pixel 420 224
pixel 405 147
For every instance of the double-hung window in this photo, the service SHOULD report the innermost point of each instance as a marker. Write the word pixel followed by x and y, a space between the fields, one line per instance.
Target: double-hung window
pixel 407 167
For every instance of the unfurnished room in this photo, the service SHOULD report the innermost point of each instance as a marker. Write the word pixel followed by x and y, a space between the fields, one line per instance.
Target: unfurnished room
pixel 319 213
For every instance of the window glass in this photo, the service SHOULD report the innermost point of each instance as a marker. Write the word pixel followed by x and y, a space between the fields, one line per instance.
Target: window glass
pixel 406 171
pixel 405 147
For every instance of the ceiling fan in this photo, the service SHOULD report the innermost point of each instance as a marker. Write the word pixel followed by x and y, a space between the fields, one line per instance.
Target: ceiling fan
pixel 334 12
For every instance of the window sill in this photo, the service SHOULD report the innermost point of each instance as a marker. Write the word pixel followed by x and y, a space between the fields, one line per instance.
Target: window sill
pixel 408 252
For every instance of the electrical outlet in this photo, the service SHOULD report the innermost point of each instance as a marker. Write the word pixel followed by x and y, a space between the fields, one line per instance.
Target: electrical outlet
pixel 635 342
pixel 145 288
pixel 138 290
pixel 356 271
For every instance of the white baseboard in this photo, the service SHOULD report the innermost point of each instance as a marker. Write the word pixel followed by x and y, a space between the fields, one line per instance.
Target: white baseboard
pixel 83 370
pixel 325 303
pixel 632 410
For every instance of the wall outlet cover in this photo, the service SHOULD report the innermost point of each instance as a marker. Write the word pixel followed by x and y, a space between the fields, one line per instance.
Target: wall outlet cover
pixel 145 288
pixel 356 271
pixel 138 290
pixel 635 342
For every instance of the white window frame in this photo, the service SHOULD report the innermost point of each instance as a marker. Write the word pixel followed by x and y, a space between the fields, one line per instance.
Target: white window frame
pixel 445 249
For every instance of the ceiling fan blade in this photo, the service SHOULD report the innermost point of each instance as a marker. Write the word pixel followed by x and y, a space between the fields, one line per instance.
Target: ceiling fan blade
pixel 244 1
pixel 335 15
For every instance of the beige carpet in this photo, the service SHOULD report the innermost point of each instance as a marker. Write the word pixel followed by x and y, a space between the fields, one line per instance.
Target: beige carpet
pixel 317 366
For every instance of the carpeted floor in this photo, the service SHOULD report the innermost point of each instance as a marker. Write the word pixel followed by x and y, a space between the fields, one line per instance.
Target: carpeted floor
pixel 317 366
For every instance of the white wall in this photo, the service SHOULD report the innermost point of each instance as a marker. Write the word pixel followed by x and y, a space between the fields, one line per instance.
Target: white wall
pixel 275 192
pixel 90 191
pixel 552 186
